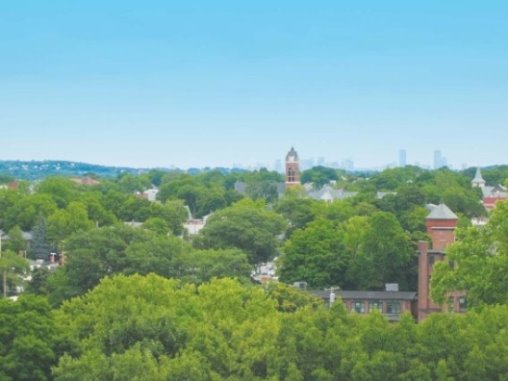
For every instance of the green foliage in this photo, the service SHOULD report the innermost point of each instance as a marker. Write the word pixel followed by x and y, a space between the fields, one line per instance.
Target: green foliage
pixel 173 213
pixel 246 225
pixel 62 190
pixel 319 176
pixel 65 222
pixel 40 248
pixel 360 253
pixel 153 328
pixel 266 190
pixel 315 255
pixel 202 194
pixel 297 209
pixel 28 339
pixel 25 212
pixel 11 266
pixel 16 241
pixel 93 255
pixel 477 262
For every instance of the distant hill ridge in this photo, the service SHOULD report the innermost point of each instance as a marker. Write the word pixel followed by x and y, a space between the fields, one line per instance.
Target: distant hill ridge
pixel 39 169
pixel 33 170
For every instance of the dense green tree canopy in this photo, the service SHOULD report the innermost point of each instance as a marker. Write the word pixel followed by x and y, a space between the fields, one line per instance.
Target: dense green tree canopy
pixel 319 176
pixel 361 253
pixel 27 339
pixel 151 328
pixel 246 225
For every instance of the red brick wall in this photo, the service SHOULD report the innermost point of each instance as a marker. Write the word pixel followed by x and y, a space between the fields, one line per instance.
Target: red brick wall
pixel 442 233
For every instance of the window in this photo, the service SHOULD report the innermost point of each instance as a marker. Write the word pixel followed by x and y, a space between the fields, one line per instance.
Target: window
pixel 375 305
pixel 359 306
pixel 462 304
pixel 393 307
pixel 451 303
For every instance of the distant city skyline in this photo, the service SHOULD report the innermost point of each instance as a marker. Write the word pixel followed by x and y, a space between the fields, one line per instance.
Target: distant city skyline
pixel 207 84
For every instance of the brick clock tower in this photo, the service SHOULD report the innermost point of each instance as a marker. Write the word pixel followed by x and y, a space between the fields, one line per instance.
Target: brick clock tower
pixel 292 169
pixel 441 225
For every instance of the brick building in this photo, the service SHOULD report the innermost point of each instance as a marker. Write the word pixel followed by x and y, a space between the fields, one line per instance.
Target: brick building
pixel 441 225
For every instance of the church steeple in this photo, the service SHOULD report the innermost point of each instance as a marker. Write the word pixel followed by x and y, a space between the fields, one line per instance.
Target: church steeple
pixel 292 168
pixel 478 181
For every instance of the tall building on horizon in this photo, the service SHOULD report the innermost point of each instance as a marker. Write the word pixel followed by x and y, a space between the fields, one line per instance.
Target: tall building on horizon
pixel 402 158
pixel 439 160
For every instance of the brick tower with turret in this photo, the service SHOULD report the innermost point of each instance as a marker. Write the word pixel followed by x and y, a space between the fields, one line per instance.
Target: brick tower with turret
pixel 292 169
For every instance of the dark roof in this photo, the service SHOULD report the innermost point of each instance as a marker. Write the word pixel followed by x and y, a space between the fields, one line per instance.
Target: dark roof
pixel 366 295
pixel 292 153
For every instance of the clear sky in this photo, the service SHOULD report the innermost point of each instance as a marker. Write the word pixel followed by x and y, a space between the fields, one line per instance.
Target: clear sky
pixel 209 83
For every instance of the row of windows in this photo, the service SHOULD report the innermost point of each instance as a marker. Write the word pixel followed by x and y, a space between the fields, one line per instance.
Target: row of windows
pixel 391 307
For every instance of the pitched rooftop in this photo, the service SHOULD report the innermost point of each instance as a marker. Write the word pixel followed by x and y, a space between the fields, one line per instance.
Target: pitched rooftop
pixel 441 212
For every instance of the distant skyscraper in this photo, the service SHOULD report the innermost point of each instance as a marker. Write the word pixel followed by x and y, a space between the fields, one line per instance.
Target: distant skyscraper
pixel 277 166
pixel 439 160
pixel 402 158
pixel 348 165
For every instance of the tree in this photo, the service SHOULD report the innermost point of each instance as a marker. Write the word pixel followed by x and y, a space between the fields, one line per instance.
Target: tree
pixel 173 212
pixel 92 255
pixel 65 222
pixel 157 225
pixel 315 255
pixel 319 176
pixel 11 265
pixel 154 328
pixel 266 190
pixel 16 242
pixel 62 190
pixel 28 339
pixel 385 255
pixel 25 212
pixel 40 247
pixel 246 225
pixel 297 209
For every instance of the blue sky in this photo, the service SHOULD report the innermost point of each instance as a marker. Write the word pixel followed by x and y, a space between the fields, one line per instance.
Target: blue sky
pixel 209 83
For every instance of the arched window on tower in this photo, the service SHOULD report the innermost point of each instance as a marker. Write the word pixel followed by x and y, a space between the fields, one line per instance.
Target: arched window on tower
pixel 291 175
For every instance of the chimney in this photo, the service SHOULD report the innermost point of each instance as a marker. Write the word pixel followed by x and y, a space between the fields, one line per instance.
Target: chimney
pixel 423 279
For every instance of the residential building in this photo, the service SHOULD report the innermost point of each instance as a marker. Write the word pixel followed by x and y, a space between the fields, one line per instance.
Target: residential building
pixel 391 303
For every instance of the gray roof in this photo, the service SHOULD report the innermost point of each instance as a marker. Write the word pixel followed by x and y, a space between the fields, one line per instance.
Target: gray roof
pixel 496 191
pixel 240 187
pixel 329 193
pixel 441 212
pixel 27 236
pixel 281 188
pixel 368 295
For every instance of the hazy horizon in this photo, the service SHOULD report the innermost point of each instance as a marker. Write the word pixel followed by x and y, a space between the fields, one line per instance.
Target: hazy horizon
pixel 213 84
